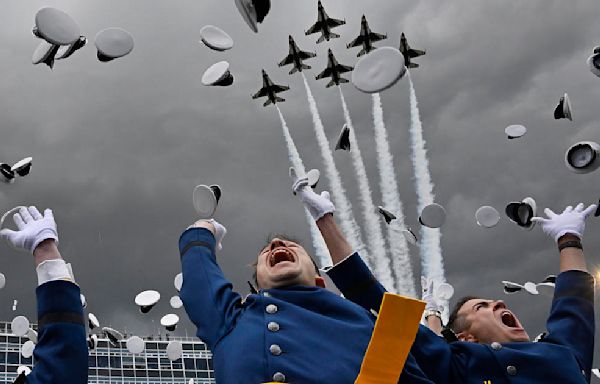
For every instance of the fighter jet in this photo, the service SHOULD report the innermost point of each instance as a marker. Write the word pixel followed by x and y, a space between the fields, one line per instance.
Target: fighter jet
pixel 270 90
pixel 409 52
pixel 334 70
pixel 296 56
pixel 366 38
pixel 324 25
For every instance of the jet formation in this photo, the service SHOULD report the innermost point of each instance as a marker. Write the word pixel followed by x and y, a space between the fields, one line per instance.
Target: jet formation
pixel 296 57
pixel 409 53
pixel 366 38
pixel 270 90
pixel 324 25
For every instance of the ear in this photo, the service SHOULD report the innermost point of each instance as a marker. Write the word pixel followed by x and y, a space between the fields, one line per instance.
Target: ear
pixel 466 336
pixel 320 282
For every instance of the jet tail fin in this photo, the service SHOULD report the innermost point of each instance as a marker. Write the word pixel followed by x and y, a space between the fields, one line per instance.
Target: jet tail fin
pixel 294 70
pixel 413 65
pixel 333 35
pixel 342 80
pixel 279 99
pixel 267 102
pixel 362 52
pixel 330 84
pixel 321 39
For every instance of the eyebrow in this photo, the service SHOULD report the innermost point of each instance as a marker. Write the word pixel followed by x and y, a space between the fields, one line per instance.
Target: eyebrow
pixel 484 303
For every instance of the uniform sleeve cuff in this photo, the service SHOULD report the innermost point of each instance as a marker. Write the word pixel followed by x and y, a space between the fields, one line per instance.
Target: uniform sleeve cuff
pixel 52 270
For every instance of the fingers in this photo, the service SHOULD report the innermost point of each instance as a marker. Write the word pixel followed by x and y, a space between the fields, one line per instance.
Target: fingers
pixel 48 214
pixel 325 195
pixel 588 211
pixel 539 220
pixel 19 221
pixel 24 212
pixel 579 207
pixel 33 211
pixel 568 209
pixel 550 213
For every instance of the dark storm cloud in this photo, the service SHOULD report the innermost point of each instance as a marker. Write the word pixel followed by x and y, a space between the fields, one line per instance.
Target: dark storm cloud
pixel 119 146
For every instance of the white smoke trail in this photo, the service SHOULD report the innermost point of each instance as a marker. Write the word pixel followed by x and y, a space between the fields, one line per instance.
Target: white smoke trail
pixel 376 242
pixel 391 200
pixel 318 243
pixel 432 263
pixel 343 207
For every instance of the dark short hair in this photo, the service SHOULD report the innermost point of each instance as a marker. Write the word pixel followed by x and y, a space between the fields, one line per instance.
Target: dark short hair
pixel 458 323
pixel 282 236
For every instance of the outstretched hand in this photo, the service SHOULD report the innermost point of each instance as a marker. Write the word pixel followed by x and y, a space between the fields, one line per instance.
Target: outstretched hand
pixel 317 205
pixel 571 220
pixel 33 228
pixel 428 297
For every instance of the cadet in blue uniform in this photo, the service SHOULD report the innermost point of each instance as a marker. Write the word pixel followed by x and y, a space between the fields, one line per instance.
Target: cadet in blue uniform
pixel 493 347
pixel 293 330
pixel 60 355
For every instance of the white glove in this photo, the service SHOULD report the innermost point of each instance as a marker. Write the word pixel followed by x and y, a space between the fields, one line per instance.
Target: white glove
pixel 569 221
pixel 427 295
pixel 317 205
pixel 33 229
pixel 219 232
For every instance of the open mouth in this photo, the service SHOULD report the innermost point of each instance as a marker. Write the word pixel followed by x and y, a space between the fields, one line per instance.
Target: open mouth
pixel 509 320
pixel 280 255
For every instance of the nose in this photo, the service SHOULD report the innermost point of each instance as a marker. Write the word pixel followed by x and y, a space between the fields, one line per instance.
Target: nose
pixel 499 304
pixel 276 242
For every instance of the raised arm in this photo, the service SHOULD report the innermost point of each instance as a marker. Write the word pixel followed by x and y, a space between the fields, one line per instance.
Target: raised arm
pixel 207 296
pixel 61 354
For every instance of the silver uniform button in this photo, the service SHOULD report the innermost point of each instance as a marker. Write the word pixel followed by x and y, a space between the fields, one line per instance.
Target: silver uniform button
pixel 279 377
pixel 273 326
pixel 266 294
pixel 271 308
pixel 496 346
pixel 511 370
pixel 275 349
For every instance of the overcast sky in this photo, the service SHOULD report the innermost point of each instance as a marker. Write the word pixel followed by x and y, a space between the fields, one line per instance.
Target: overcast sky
pixel 118 147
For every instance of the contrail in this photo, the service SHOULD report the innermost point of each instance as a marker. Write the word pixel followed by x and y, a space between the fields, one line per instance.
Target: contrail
pixel 391 200
pixel 318 243
pixel 376 242
pixel 432 263
pixel 347 221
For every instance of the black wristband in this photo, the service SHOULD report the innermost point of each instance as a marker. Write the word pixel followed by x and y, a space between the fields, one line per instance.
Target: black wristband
pixel 570 244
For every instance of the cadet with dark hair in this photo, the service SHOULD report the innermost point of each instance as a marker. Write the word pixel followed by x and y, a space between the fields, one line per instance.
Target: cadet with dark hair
pixel 61 354
pixel 293 330
pixel 493 347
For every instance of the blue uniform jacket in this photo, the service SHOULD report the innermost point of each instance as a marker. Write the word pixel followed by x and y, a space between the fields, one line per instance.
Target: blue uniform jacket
pixel 564 356
pixel 299 335
pixel 61 353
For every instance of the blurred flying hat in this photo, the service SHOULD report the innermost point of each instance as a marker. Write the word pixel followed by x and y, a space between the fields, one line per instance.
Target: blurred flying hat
pixel 93 321
pixel 487 216
pixel 583 157
pixel 27 349
pixel 55 26
pixel 2 280
pixel 19 326
pixel 92 342
pixel 522 212
pixel 135 345
pixel 215 38
pixel 253 11
pixel 67 50
pixel 343 141
pixel 378 70
pixel 22 167
pixel 594 62
pixel 410 236
pixel 563 109
pixel 433 216
pixel 176 302
pixel 146 300
pixel 32 335
pixel 8 175
pixel 205 201
pixel 178 281
pixel 45 53
pixel 113 43
pixel 515 131
pixel 113 336
pixel 313 177
pixel 218 74
pixel 169 321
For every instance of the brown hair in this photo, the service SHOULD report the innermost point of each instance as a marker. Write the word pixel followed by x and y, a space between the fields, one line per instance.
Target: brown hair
pixel 458 323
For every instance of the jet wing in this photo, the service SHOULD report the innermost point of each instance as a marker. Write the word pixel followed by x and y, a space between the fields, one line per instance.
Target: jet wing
pixel 415 52
pixel 374 36
pixel 325 73
pixel 261 93
pixel 331 22
pixel 356 42
pixel 289 59
pixel 344 68
pixel 278 88
pixel 314 29
pixel 306 55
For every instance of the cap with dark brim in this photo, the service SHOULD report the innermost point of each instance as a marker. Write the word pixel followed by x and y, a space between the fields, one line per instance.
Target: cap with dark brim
pixel 563 109
pixel 135 345
pixel 92 342
pixel 487 217
pixel 410 236
pixel 515 131
pixel 93 321
pixel 22 167
pixel 433 216
pixel 594 62
pixel 176 302
pixel 113 336
pixel 378 70
pixel 67 50
pixel 169 321
pixel 583 157
pixel 56 27
pixel 113 43
pixel 510 287
pixel 205 201
pixel 343 141
pixel 522 212
pixel 444 291
pixel 45 53
pixel 313 177
pixel 217 191
pixel 8 175
pixel 178 281
pixel 248 12
pixel 215 38
pixel 218 75
pixel 146 300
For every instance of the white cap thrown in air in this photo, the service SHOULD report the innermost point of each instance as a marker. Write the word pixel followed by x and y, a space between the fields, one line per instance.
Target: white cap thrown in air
pixel 410 236
pixel 92 342
pixel 22 167
pixel 44 53
pixel 522 212
pixel 174 350
pixel 217 74
pixel 67 50
pixel 205 201
pixel 444 291
pixel 531 288
pixel 135 344
pixel 246 9
pixel 583 157
pixel 56 27
pixel 2 280
pixel 27 349
pixel 169 321
pixel 215 38
pixel 515 131
pixel 378 70
pixel 313 177
pixel 487 216
pixel 23 369
pixel 93 321
pixel 343 141
pixel 32 335
pixel 178 281
pixel 19 326
pixel 594 62
pixel 113 43
pixel 113 335
pixel 433 216
pixel 176 302
pixel 146 300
